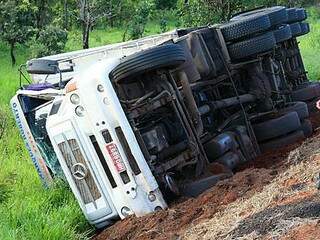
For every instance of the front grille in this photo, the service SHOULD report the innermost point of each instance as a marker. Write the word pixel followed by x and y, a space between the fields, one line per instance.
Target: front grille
pixel 74 159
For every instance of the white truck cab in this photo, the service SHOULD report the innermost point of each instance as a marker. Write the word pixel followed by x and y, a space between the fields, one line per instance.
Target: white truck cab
pixel 98 151
pixel 85 137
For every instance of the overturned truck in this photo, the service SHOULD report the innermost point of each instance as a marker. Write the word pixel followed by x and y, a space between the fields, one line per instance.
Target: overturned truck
pixel 131 126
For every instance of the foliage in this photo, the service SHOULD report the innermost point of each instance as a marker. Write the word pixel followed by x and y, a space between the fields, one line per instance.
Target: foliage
pixel 138 22
pixel 165 4
pixel 51 40
pixel 163 25
pixel 15 23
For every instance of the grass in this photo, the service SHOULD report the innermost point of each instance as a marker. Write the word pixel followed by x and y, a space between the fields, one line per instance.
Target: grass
pixel 27 210
pixel 310 48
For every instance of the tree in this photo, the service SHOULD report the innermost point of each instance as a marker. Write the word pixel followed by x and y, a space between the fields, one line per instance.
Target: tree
pixel 49 41
pixel 89 12
pixel 135 16
pixel 43 13
pixel 16 23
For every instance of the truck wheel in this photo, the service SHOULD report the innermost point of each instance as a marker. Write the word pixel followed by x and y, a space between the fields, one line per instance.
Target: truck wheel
pixel 301 14
pixel 295 29
pixel 277 14
pixel 309 92
pixel 245 26
pixel 301 108
pixel 283 33
pixel 305 28
pixel 306 127
pixel 283 141
pixel 160 57
pixel 296 14
pixel 276 127
pixel 252 46
pixel 292 15
pixel 312 106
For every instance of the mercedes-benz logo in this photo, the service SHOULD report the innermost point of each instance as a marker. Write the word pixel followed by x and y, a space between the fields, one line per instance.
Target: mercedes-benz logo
pixel 79 171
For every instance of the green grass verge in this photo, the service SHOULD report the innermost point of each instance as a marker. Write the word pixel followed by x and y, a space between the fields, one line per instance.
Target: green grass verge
pixel 27 210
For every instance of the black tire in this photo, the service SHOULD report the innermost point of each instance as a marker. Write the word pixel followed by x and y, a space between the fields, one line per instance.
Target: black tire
pixel 283 141
pixel 312 106
pixel 308 92
pixel 305 28
pixel 301 108
pixel 301 14
pixel 277 15
pixel 306 127
pixel 252 46
pixel 296 15
pixel 295 29
pixel 245 26
pixel 292 15
pixel 276 127
pixel 283 33
pixel 159 57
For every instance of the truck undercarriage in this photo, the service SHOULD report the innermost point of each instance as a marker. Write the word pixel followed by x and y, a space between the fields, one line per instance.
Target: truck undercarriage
pixel 222 95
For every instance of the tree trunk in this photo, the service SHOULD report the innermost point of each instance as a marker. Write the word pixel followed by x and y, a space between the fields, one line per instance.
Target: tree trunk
pixel 85 35
pixel 65 15
pixel 13 58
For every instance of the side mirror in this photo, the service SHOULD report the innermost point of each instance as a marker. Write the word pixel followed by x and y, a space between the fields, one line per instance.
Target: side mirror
pixel 42 66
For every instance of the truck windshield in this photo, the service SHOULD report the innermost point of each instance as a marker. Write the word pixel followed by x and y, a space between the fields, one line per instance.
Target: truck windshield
pixel 36 112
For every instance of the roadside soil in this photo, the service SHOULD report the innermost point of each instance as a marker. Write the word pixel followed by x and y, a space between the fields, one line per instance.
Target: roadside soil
pixel 273 197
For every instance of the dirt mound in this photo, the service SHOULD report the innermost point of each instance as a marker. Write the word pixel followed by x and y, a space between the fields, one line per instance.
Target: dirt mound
pixel 168 224
pixel 272 197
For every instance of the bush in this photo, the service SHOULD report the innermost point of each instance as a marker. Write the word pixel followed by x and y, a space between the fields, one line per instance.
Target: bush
pixel 140 19
pixel 165 4
pixel 314 14
pixel 49 41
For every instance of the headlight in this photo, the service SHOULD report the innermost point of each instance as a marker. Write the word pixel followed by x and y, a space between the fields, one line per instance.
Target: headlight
pixel 152 197
pixel 75 99
pixel 79 111
pixel 125 211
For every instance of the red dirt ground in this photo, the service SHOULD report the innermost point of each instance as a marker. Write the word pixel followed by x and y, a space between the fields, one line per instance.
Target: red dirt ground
pixel 309 231
pixel 250 178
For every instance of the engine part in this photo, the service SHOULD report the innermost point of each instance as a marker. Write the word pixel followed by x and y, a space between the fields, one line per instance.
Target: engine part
pixel 194 112
pixel 219 145
pixel 224 103
pixel 245 144
pixel 229 159
pixel 155 139
pixel 171 183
